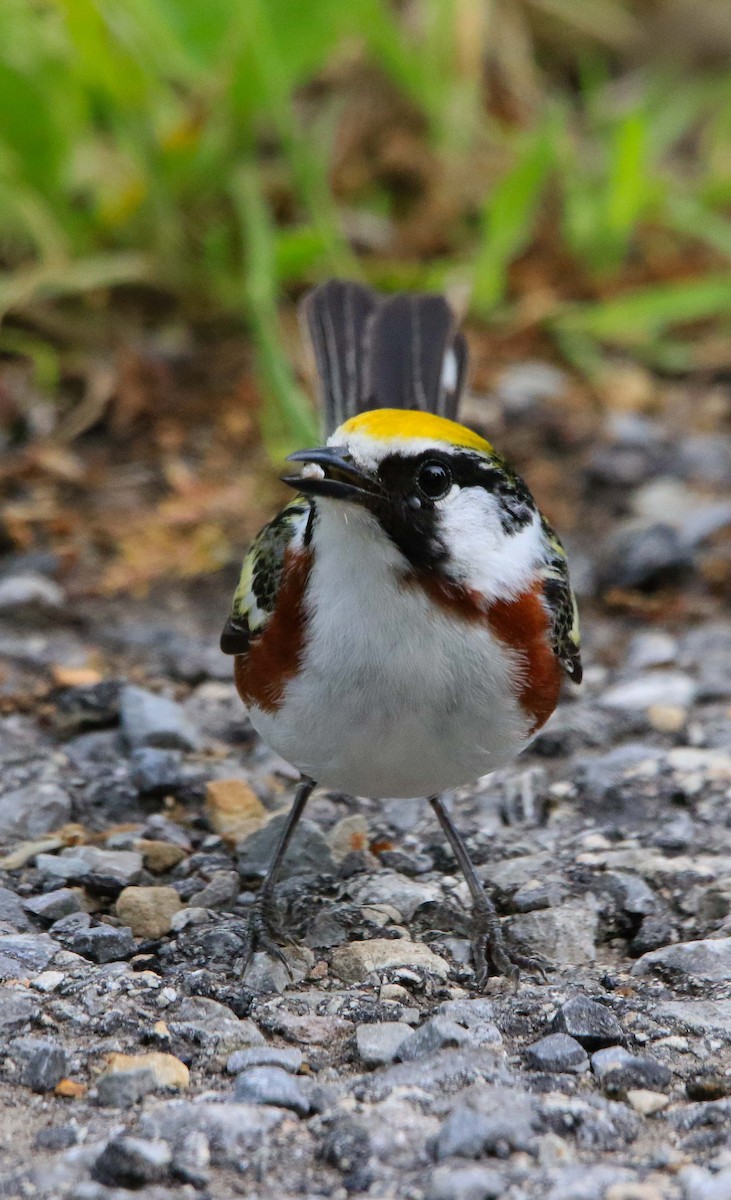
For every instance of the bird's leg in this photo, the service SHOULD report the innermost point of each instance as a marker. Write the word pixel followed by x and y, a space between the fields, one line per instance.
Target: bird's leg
pixel 262 928
pixel 488 941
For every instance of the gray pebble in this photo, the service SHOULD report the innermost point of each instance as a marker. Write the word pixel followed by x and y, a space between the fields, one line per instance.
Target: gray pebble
pixel 31 811
pixel 152 720
pixel 271 1085
pixel 590 1023
pixel 709 959
pixel 41 1061
pixel 557 1052
pixel 639 555
pixel 465 1183
pixel 102 943
pixel 308 851
pixel 439 1033
pixel 464 1133
pixel 155 771
pixel 132 1162
pixel 12 912
pixel 192 1159
pixel 106 871
pixel 25 954
pixel 634 1071
pixel 379 1043
pixel 123 1089
pixel 32 591
pixel 287 1058
pixel 52 906
pixel 221 890
pixel 17 1008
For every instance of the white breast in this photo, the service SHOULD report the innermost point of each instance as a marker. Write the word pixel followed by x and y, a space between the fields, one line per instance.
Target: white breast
pixel 396 697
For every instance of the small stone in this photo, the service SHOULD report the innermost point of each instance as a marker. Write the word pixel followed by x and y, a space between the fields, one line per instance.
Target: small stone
pixel 654 688
pixel 265 973
pixel 159 857
pixel 12 912
pixel 349 836
pixel 709 959
pixel 379 1043
pixel 271 1085
pixel 698 1016
pixel 389 888
pixel 466 1183
pixel 621 1075
pixel 700 1184
pixel 590 1023
pixel 102 943
pixel 557 1052
pixel 667 718
pixel 611 1059
pixel 643 555
pixel 167 1070
pixel 17 1008
pixel 646 1102
pixel 308 851
pixel 24 954
pixel 48 981
pixel 30 591
pixel 221 891
pixel 30 811
pixel 232 1130
pixel 265 1056
pixel 355 961
pixel 565 935
pixel 156 772
pixel 152 720
pixel 233 808
pixel 438 1033
pixel 464 1133
pixel 85 702
pixel 103 871
pixel 148 911
pixel 208 1022
pixel 42 1062
pixel 51 906
pixel 58 1137
pixel 192 1159
pixel 132 1162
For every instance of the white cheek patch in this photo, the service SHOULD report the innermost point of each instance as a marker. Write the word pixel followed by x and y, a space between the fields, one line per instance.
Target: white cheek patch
pixel 482 555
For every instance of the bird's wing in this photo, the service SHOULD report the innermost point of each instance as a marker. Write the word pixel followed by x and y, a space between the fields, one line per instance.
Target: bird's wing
pixel 255 597
pixel 373 351
pixel 561 603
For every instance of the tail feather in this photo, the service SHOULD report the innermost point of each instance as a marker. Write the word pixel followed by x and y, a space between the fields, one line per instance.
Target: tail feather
pixel 336 315
pixel 402 351
pixel 417 356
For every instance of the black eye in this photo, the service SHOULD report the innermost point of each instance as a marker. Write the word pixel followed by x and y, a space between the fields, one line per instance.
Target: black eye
pixel 433 480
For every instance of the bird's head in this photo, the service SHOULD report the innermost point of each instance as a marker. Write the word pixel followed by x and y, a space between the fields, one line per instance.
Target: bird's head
pixel 438 491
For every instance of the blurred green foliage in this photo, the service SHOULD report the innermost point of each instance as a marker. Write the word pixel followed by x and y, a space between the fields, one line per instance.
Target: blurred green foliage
pixel 189 144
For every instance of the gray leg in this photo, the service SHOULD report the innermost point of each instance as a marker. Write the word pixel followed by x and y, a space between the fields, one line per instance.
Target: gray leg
pixel 488 936
pixel 262 929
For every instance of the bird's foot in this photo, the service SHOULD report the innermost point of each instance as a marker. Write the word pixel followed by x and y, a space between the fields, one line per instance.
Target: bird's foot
pixel 489 946
pixel 263 932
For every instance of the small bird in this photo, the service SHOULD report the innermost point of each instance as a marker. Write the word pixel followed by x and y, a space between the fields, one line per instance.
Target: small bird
pixel 403 625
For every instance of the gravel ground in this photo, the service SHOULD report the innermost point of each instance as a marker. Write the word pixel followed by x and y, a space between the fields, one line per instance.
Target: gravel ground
pixel 137 814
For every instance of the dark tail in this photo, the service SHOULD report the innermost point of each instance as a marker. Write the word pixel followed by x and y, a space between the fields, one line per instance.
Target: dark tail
pixel 401 352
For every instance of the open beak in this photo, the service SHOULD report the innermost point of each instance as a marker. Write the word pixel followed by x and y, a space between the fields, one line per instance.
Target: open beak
pixel 338 477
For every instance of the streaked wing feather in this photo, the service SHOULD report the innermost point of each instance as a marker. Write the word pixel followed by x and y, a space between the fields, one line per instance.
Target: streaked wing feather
pixel 561 602
pixel 255 597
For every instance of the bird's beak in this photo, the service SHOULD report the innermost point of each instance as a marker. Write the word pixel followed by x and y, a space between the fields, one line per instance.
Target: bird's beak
pixel 338 477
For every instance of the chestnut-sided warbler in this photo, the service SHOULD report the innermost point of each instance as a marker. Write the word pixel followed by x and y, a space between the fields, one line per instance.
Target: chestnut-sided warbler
pixel 403 625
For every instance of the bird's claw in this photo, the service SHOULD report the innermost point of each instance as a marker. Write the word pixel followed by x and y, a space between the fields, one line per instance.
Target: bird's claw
pixel 488 945
pixel 263 932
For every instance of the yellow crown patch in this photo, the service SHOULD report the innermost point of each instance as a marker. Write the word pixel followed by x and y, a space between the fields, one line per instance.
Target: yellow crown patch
pixel 387 424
